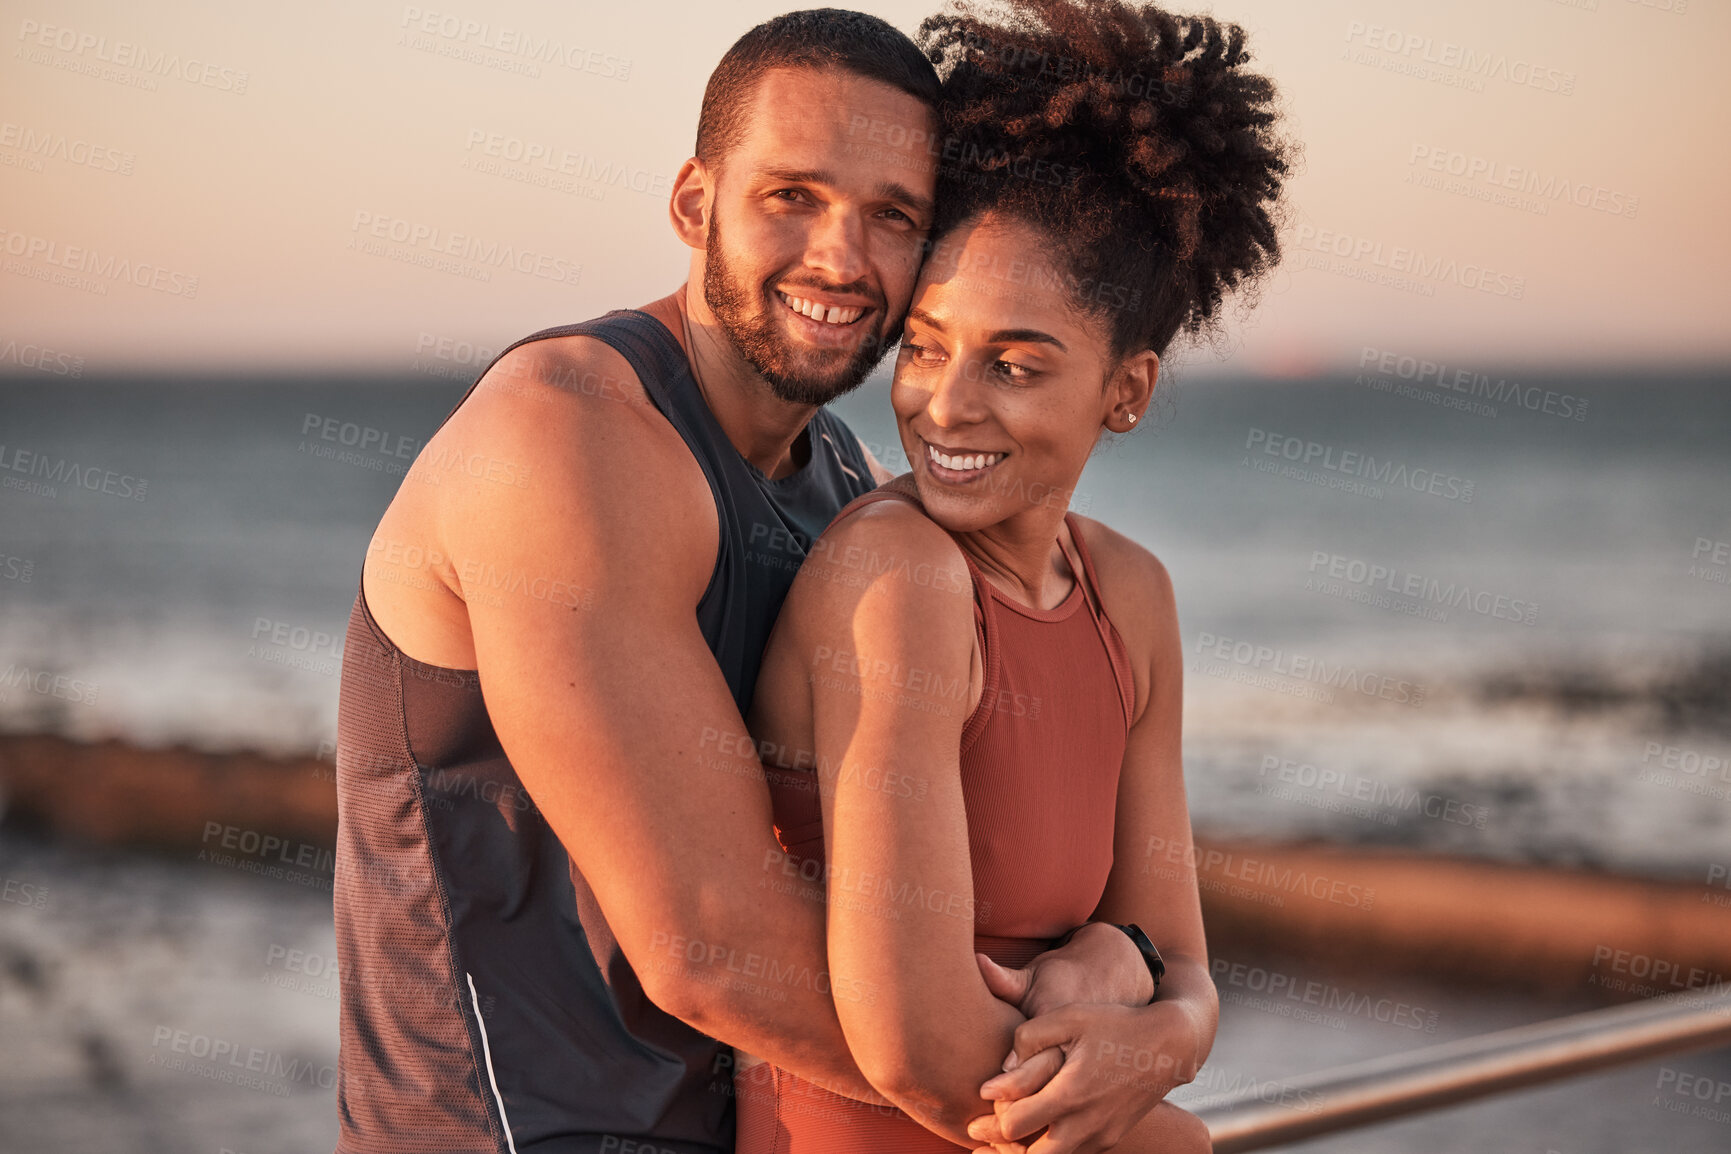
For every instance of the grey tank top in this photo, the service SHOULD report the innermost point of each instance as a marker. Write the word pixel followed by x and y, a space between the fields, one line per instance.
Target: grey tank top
pixel 485 1005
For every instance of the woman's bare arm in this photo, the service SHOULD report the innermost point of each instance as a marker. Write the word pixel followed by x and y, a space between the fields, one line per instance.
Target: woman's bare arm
pixel 884 625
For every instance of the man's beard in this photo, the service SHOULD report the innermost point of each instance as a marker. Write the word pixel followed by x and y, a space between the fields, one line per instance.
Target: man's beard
pixel 800 378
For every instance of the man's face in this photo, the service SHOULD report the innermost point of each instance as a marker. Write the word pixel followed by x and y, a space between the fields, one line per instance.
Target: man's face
pixel 816 226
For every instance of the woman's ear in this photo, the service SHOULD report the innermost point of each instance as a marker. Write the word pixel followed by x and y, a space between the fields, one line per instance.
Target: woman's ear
pixel 688 208
pixel 1131 389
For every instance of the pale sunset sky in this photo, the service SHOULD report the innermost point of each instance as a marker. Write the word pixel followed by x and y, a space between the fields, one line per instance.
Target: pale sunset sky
pixel 1492 182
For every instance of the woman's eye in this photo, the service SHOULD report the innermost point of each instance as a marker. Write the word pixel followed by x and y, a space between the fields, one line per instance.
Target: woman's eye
pixel 922 354
pixel 1013 372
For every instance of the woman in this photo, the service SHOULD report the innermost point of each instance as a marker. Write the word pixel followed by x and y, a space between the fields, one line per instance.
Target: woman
pixel 990 687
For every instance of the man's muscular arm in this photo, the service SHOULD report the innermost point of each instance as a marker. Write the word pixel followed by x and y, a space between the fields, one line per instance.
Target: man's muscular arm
pixel 581 588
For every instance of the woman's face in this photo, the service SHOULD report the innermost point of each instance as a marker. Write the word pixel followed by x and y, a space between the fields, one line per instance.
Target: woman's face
pixel 1001 386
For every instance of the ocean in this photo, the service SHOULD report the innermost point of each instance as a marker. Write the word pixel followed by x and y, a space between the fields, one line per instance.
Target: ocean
pixel 1478 614
pixel 1489 619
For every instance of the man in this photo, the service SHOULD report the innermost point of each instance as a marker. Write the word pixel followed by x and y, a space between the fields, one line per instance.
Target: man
pixel 558 881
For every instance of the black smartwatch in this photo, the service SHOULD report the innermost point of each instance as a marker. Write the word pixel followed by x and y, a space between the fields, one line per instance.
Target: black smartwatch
pixel 1149 955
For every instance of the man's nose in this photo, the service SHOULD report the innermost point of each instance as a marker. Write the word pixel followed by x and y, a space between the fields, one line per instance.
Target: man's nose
pixel 836 247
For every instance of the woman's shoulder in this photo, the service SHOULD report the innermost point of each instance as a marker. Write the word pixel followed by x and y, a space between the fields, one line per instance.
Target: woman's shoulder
pixel 884 542
pixel 1123 564
pixel 1135 589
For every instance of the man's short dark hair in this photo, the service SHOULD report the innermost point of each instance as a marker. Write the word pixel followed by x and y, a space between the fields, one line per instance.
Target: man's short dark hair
pixel 814 38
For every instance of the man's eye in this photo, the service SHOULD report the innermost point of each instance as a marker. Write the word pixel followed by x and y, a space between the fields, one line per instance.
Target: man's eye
pixel 792 195
pixel 898 214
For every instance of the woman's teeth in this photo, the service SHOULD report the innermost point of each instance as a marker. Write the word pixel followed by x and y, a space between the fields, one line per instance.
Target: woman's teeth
pixel 832 315
pixel 966 462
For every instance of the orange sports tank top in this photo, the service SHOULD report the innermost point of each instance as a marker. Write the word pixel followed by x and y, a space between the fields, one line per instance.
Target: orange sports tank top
pixel 1040 757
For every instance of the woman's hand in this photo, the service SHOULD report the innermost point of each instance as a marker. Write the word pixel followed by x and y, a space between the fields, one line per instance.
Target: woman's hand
pixel 1098 964
pixel 1118 1064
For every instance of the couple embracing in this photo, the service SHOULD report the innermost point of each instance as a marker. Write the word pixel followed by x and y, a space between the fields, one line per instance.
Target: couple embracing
pixel 714 789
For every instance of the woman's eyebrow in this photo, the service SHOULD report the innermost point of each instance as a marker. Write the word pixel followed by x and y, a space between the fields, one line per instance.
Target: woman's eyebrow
pixel 1025 336
pixel 1000 337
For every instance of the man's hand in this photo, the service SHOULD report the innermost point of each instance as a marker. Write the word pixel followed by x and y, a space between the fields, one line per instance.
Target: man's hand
pixel 1118 1064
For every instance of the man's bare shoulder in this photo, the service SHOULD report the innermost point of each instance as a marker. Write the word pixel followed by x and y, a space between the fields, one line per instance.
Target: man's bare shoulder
pixel 567 409
pixel 576 381
pixel 558 460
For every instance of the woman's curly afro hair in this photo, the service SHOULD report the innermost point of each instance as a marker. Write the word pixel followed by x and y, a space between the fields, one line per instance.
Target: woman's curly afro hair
pixel 1138 140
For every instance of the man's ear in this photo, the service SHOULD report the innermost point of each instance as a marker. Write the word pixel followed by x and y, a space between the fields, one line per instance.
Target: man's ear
pixel 689 206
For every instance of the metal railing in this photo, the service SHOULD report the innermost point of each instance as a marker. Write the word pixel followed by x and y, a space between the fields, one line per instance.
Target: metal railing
pixel 1366 1092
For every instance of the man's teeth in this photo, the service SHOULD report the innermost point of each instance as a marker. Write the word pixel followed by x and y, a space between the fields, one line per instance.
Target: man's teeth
pixel 833 315
pixel 964 462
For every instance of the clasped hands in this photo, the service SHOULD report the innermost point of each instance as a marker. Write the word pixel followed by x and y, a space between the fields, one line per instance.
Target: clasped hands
pixel 1093 1057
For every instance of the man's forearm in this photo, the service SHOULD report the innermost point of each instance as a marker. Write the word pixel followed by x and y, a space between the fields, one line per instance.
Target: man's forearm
pixel 760 982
